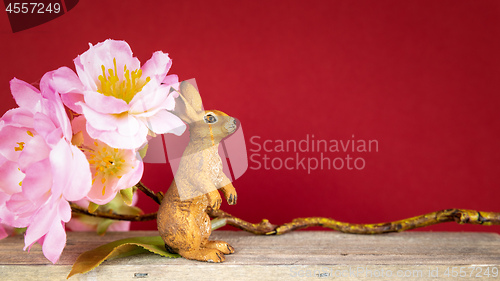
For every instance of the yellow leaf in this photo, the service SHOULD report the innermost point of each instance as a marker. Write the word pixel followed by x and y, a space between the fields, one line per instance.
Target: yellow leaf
pixel 92 207
pixel 91 259
pixel 126 247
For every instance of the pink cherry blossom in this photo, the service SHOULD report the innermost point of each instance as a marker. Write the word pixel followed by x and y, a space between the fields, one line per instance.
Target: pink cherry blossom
pixel 41 170
pixel 121 101
pixel 112 169
pixel 3 232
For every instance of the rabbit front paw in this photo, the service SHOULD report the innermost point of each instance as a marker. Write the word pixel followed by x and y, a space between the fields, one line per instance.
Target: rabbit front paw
pixel 231 198
pixel 229 193
pixel 214 199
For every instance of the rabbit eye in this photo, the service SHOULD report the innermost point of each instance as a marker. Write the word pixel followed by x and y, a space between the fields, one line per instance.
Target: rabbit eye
pixel 210 118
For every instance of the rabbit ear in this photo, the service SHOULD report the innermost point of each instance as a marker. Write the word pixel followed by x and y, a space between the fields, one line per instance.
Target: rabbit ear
pixel 188 106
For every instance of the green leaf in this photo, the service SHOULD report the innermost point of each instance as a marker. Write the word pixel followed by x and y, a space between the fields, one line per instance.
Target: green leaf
pixel 92 207
pixel 127 195
pixel 18 231
pixel 121 248
pixel 142 151
pixel 102 226
pixel 126 247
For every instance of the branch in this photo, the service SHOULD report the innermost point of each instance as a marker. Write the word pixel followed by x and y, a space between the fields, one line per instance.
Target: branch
pixel 157 197
pixel 264 227
pixel 79 210
pixel 457 215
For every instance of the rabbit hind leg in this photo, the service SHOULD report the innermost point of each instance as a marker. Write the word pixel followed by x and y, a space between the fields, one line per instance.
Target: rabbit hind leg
pixel 190 246
pixel 219 245
pixel 203 254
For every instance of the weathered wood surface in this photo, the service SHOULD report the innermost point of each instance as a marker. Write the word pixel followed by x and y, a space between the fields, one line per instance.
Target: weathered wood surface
pixel 302 255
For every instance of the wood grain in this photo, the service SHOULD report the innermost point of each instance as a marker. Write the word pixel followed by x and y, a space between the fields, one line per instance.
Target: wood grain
pixel 301 255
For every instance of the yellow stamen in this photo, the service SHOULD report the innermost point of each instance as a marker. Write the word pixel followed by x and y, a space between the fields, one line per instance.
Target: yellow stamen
pixel 29 133
pixel 124 87
pixel 20 147
pixel 106 162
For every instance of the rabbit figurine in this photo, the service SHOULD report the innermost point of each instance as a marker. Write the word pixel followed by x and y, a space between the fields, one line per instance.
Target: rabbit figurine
pixel 182 219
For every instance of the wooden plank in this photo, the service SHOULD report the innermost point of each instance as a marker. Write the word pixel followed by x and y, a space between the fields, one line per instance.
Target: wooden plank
pixel 301 255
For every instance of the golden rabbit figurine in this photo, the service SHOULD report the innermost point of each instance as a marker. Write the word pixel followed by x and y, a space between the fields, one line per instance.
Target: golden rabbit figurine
pixel 182 219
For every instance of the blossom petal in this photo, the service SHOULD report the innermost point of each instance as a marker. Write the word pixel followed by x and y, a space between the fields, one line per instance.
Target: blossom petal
pixel 157 66
pixel 151 99
pixel 119 226
pixel 87 80
pixel 96 192
pixel 35 150
pixel 127 125
pixel 38 181
pixel 132 177
pixel 18 204
pixel 44 126
pixel 18 117
pixel 64 80
pixel 64 211
pixel 170 102
pixel 8 217
pixel 79 125
pixel 26 96
pixel 54 241
pixel 11 177
pixel 71 172
pixel 40 224
pixel 99 121
pixel 165 122
pixel 89 64
pixel 172 80
pixel 13 138
pixel 3 233
pixel 105 104
pixel 54 108
pixel 116 140
pixel 17 211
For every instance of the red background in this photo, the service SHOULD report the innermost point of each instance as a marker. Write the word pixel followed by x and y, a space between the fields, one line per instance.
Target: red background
pixel 420 77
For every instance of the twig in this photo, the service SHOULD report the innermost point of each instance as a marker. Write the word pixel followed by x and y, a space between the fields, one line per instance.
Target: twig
pixel 157 197
pixel 79 210
pixel 266 228
pixel 457 215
